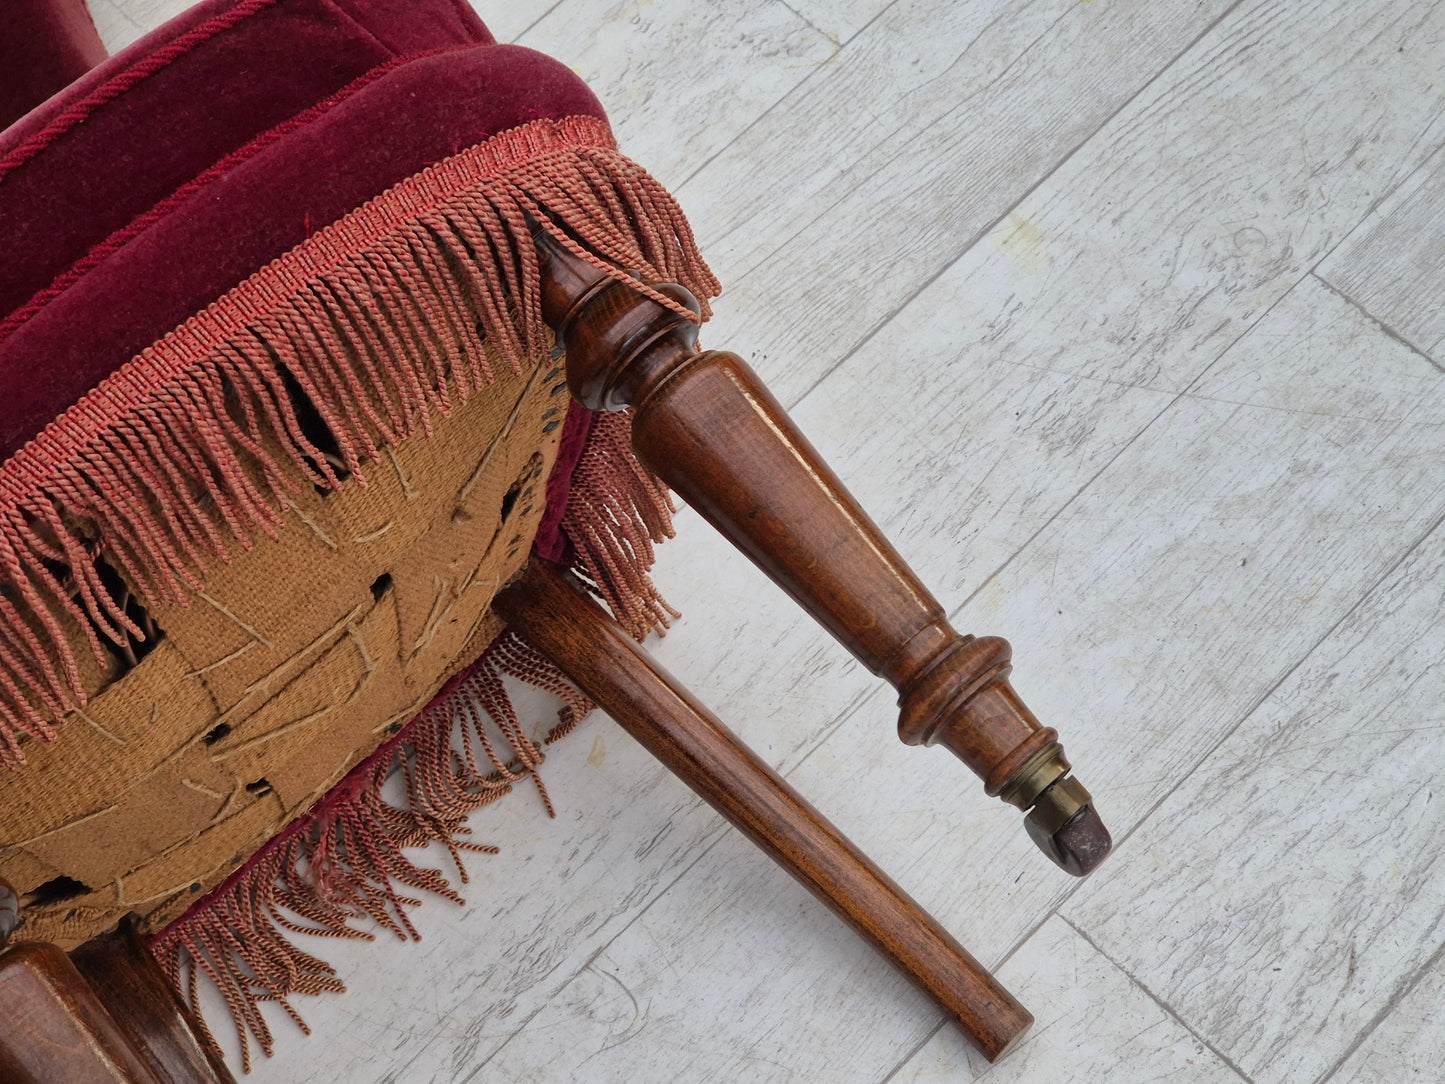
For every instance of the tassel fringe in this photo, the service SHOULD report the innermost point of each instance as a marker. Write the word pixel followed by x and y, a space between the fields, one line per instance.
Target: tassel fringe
pixel 616 510
pixel 383 320
pixel 343 862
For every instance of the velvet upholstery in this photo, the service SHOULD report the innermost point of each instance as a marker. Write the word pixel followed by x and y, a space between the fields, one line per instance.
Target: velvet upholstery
pixel 44 46
pixel 66 183
pixel 129 221
pixel 263 200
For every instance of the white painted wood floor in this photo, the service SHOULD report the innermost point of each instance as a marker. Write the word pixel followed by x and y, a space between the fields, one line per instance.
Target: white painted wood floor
pixel 1125 321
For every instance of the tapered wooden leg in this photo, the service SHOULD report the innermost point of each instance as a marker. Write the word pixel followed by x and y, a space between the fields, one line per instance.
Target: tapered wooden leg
pixel 591 649
pixel 708 427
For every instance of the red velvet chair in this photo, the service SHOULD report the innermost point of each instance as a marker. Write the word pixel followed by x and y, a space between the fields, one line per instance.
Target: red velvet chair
pixel 319 270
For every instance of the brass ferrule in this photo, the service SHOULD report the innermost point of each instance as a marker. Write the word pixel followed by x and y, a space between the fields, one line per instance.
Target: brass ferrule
pixel 1058 805
pixel 1035 776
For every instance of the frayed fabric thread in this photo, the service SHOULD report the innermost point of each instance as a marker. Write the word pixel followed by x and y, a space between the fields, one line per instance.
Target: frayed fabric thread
pixel 342 863
pixel 616 510
pixel 384 320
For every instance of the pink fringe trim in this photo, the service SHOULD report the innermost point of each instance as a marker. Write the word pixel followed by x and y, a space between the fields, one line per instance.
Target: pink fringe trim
pixel 381 319
pixel 617 509
pixel 343 861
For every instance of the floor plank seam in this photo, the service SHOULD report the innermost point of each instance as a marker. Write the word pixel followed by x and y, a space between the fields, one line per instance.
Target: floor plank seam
pixel 1384 328
pixel 1391 1003
pixel 679 189
pixel 1263 697
pixel 1427 164
pixel 821 213
pixel 1164 1005
pixel 523 1026
pixel 914 1052
pixel 1124 447
pixel 809 23
pixel 983 234
pixel 534 23
pixel 721 829
pixel 722 834
pixel 1033 930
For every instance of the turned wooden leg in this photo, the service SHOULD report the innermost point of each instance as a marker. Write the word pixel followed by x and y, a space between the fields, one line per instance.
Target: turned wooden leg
pixel 708 427
pixel 595 652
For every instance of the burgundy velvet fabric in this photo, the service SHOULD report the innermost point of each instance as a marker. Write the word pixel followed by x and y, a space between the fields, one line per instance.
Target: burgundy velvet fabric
pixel 44 46
pixel 411 26
pixel 235 219
pixel 163 111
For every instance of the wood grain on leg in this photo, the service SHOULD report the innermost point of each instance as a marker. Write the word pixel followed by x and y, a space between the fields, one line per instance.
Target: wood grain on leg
pixel 606 664
pixel 103 1013
pixel 55 1028
pixel 708 427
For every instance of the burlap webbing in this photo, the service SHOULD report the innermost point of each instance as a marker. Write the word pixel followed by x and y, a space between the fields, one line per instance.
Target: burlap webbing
pixel 381 321
pixel 301 657
pixel 282 669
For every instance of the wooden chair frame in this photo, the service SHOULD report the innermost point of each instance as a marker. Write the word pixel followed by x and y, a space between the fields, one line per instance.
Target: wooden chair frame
pixel 709 428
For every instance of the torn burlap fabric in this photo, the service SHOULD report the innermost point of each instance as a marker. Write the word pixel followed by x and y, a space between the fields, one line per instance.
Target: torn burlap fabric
pixel 236 575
